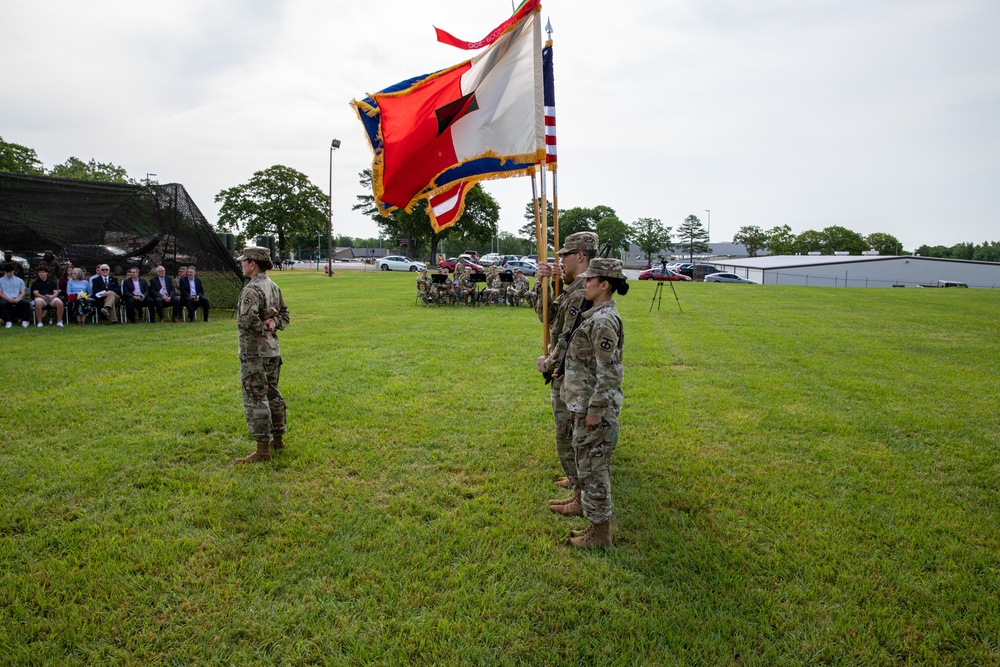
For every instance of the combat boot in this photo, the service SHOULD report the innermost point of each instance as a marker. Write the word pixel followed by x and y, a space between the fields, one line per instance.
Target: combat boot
pixel 581 533
pixel 263 453
pixel 564 483
pixel 277 441
pixel 599 535
pixel 566 501
pixel 573 508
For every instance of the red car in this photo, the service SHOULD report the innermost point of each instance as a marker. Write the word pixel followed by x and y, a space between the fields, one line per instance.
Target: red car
pixel 449 264
pixel 660 274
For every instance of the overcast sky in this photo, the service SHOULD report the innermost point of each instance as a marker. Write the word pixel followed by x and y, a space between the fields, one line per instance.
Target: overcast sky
pixel 878 115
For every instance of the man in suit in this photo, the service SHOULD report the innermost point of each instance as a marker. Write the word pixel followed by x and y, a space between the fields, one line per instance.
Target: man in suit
pixel 135 294
pixel 161 290
pixel 106 291
pixel 192 294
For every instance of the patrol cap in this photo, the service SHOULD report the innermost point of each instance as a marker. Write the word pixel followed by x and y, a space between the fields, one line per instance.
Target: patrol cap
pixel 256 253
pixel 604 267
pixel 578 242
pixel 519 271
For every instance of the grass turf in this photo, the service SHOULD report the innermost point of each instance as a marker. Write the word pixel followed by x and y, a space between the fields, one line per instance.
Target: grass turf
pixel 804 475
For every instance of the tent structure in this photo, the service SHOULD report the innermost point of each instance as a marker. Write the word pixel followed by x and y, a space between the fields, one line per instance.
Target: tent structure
pixel 91 223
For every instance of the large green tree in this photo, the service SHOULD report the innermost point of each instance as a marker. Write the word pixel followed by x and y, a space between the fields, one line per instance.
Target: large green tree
pixel 278 201
pixel 842 239
pixel 809 241
pixel 753 237
pixel 105 172
pixel 885 244
pixel 692 237
pixel 18 159
pixel 614 234
pixel 651 236
pixel 780 240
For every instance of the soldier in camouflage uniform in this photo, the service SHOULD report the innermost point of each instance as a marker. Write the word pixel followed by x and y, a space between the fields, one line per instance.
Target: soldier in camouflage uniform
pixel 443 289
pixel 574 258
pixel 591 387
pixel 261 314
pixel 493 289
pixel 465 289
pixel 518 289
pixel 425 288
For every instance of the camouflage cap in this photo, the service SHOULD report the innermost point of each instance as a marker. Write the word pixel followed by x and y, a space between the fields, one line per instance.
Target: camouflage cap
pixel 256 253
pixel 604 267
pixel 579 242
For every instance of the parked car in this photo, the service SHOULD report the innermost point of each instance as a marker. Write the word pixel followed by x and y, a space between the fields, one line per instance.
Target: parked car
pixel 530 258
pixel 399 263
pixel 727 278
pixel 449 264
pixel 527 268
pixel 697 270
pixel 660 274
pixel 489 259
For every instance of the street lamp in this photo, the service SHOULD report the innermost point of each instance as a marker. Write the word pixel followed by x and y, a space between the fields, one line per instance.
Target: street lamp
pixel 334 145
pixel 709 225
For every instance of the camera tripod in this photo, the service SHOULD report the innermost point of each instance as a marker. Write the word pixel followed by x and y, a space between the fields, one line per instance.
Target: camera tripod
pixel 658 296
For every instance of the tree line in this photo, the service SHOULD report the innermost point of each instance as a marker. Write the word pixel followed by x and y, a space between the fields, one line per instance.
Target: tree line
pixel 280 201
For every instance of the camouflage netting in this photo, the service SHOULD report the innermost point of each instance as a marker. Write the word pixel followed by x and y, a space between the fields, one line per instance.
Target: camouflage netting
pixel 90 223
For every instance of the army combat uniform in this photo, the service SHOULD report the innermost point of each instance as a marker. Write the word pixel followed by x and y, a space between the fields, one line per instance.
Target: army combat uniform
pixel 592 385
pixel 563 312
pixel 260 357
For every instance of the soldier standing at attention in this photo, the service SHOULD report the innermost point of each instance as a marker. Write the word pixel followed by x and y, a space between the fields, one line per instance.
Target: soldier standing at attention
pixel 591 388
pixel 574 258
pixel 261 314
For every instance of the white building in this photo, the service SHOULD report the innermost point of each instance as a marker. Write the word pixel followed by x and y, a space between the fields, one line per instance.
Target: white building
pixel 862 270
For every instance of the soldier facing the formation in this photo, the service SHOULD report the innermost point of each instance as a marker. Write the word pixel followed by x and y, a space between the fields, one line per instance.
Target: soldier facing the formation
pixel 261 314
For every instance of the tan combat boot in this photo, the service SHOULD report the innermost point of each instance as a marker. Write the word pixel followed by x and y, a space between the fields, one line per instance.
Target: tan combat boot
pixel 563 483
pixel 599 535
pixel 263 453
pixel 277 441
pixel 581 533
pixel 565 501
pixel 573 508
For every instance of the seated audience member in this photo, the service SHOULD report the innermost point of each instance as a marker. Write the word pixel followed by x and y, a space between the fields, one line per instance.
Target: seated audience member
pixel 135 294
pixel 443 289
pixel 8 258
pixel 77 296
pixel 519 289
pixel 105 290
pixel 13 304
pixel 465 289
pixel 193 294
pixel 425 288
pixel 161 289
pixel 492 293
pixel 45 294
pixel 182 272
pixel 64 277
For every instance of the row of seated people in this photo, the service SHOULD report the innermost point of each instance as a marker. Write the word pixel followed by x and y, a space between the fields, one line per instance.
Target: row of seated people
pixel 438 289
pixel 100 296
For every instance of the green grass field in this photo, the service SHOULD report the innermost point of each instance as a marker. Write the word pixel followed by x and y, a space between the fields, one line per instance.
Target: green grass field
pixel 804 476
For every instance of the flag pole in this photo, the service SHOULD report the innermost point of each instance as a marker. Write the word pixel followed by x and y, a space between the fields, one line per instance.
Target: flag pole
pixel 542 238
pixel 555 179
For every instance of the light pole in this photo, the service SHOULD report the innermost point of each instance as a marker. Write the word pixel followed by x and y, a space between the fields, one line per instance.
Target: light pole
pixel 334 145
pixel 709 225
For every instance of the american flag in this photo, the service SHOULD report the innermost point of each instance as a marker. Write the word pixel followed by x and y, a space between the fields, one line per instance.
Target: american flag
pixel 550 106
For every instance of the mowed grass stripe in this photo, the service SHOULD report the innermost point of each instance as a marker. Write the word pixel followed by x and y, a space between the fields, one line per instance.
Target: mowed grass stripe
pixel 804 475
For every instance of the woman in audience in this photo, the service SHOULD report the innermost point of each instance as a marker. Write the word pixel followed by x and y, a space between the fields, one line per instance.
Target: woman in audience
pixel 77 291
